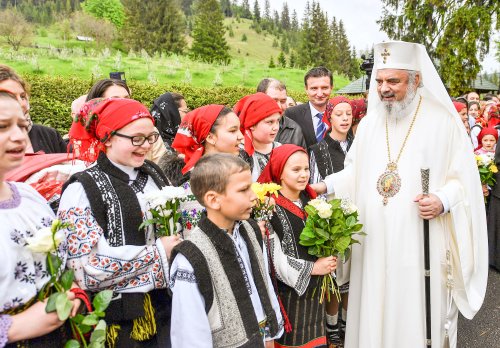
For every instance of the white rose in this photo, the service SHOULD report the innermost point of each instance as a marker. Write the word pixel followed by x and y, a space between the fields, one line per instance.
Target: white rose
pixel 165 212
pixel 324 211
pixel 171 193
pixel 347 206
pixel 317 202
pixel 42 241
pixel 155 199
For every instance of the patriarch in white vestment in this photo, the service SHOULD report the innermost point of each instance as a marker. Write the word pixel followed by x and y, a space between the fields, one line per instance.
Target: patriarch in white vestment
pixel 411 124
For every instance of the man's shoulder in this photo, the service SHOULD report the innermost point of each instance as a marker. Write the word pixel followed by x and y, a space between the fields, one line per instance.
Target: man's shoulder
pixel 297 110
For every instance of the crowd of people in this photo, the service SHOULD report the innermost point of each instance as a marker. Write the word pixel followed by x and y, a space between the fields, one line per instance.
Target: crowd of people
pixel 225 280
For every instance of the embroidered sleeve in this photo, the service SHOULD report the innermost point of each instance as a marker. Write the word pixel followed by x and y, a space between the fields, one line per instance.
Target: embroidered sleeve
pixel 292 271
pixel 274 300
pixel 5 323
pixel 313 167
pixel 97 265
pixel 188 308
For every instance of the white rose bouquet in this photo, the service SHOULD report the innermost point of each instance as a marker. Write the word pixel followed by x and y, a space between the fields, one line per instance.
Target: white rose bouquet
pixel 164 209
pixel 48 241
pixel 329 231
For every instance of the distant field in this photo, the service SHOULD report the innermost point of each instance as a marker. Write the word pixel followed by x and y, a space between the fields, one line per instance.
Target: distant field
pixel 249 65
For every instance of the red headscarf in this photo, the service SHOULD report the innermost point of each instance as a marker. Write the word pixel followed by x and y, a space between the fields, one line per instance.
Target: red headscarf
pixel 251 110
pixel 358 109
pixel 193 131
pixel 332 103
pixel 96 122
pixel 274 168
pixel 459 106
pixel 482 133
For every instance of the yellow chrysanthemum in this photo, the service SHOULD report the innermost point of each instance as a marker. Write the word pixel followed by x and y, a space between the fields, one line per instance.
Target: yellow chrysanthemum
pixel 493 168
pixel 272 188
pixel 259 191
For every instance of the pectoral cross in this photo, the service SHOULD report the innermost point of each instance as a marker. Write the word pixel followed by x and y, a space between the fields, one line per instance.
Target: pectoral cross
pixel 385 54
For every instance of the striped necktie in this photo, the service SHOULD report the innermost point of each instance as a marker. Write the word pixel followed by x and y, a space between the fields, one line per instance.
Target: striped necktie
pixel 321 129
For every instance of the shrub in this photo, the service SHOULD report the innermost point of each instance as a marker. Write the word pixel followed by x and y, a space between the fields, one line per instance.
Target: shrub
pixel 51 97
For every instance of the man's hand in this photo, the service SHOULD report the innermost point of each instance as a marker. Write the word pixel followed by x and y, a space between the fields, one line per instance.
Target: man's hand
pixel 429 206
pixel 320 187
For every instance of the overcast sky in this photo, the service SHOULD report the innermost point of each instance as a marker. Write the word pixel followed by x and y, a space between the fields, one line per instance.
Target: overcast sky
pixel 359 17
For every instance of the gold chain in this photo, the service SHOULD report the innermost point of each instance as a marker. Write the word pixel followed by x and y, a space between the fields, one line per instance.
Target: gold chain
pixel 407 134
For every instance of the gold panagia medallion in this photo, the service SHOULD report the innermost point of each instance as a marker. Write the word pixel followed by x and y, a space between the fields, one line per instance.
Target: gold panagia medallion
pixel 389 182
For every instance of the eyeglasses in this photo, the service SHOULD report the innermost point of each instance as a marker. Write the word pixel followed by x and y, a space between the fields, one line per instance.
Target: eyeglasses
pixel 138 140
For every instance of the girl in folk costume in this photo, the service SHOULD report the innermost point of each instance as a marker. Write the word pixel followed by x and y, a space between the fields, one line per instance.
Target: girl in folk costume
pixel 23 212
pixel 106 205
pixel 487 138
pixel 489 117
pixel 327 157
pixel 260 116
pixel 297 271
pixel 209 129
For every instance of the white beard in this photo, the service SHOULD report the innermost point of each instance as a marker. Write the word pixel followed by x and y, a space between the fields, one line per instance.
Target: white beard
pixel 397 109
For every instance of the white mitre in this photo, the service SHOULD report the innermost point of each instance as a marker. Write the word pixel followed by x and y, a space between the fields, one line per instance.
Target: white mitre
pixel 410 56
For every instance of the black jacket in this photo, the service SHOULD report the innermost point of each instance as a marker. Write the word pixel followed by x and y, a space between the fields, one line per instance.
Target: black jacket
pixel 302 115
pixel 46 139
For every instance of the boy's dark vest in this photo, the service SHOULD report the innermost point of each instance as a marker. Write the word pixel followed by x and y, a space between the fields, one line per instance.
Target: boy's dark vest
pixel 220 279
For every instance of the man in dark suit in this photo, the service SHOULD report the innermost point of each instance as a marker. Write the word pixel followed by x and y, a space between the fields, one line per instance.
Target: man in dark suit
pixel 318 84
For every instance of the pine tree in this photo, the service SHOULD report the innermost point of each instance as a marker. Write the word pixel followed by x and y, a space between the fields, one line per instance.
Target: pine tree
pixel 154 25
pixel 285 17
pixel 315 47
pixel 226 8
pixel 245 10
pixel 343 50
pixel 256 11
pixel 292 61
pixel 282 60
pixel 267 10
pixel 295 21
pixel 271 63
pixel 209 44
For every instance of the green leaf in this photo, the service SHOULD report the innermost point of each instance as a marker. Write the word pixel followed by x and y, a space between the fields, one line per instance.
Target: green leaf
pixel 147 223
pixel 63 307
pixel 357 227
pixel 307 242
pixel 335 203
pixel 310 210
pixel 307 232
pixel 322 233
pixel 350 221
pixel 67 279
pixel 51 302
pixel 78 319
pixel 90 319
pixel 85 328
pixel 72 344
pixel 102 300
pixel 99 314
pixel 342 243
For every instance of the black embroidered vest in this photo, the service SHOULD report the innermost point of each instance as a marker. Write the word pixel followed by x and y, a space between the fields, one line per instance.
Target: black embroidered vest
pixel 115 206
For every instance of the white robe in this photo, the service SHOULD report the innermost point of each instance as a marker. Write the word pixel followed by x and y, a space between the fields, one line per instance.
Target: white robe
pixel 386 299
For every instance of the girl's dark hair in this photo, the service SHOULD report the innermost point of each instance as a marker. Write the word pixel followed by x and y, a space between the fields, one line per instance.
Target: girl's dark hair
pixel 100 87
pixel 225 110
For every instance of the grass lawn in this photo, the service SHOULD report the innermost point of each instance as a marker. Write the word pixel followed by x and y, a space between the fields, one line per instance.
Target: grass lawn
pixel 249 64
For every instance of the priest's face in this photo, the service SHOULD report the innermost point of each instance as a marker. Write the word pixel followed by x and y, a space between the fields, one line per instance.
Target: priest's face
pixel 396 88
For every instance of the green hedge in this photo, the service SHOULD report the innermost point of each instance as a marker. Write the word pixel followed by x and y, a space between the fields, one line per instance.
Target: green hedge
pixel 51 97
